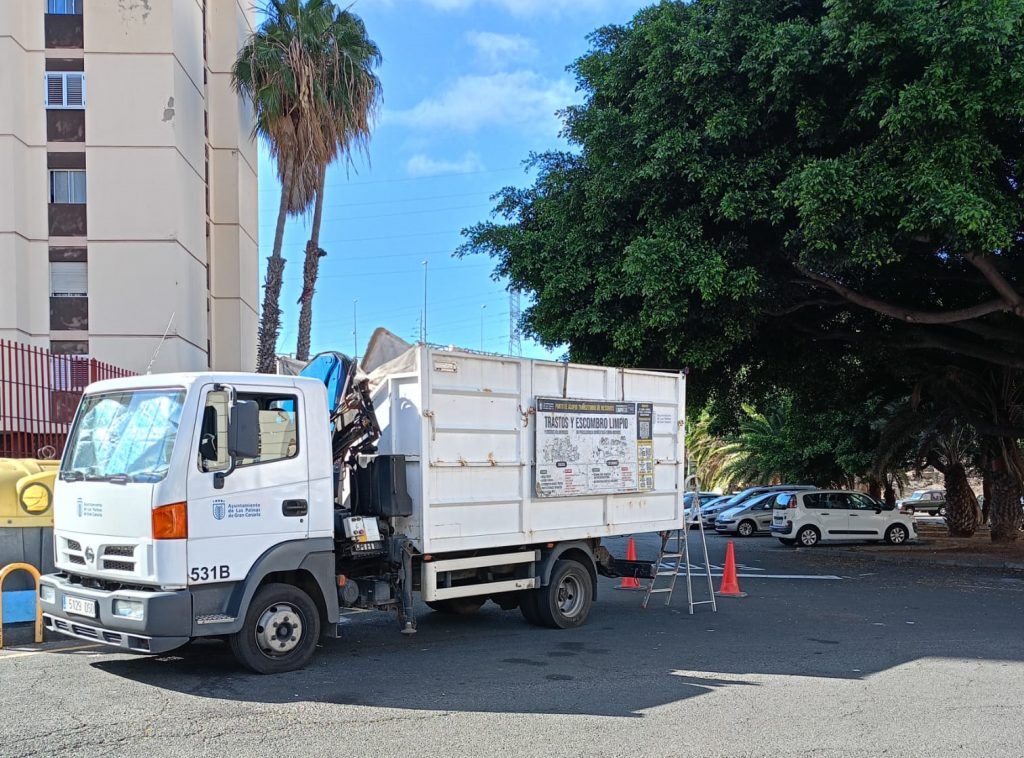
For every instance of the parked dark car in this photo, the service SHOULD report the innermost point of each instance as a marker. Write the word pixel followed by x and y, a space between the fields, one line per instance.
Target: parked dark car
pixel 932 502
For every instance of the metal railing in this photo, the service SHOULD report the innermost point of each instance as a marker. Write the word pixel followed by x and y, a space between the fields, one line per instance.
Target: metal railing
pixel 39 392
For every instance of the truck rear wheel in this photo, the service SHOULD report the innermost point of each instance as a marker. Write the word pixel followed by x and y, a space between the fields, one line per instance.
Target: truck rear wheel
pixel 565 602
pixel 280 630
pixel 457 606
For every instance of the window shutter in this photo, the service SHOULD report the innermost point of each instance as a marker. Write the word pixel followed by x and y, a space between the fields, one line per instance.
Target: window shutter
pixel 54 90
pixel 74 90
pixel 69 279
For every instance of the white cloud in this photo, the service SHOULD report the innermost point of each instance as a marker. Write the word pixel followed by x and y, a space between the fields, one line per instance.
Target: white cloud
pixel 522 99
pixel 423 165
pixel 495 50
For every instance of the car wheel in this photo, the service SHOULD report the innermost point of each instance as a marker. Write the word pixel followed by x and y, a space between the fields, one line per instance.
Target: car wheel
pixel 565 602
pixel 280 631
pixel 808 536
pixel 745 529
pixel 909 510
pixel 787 541
pixel 896 534
pixel 942 511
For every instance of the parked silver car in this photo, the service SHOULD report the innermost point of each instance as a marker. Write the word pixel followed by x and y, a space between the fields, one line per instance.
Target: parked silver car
pixel 752 517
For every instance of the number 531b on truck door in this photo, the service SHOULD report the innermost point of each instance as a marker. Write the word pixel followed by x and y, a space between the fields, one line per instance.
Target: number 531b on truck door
pixel 209 573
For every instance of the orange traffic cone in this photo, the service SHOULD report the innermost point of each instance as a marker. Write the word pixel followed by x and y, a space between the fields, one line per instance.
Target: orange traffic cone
pixel 730 586
pixel 630 582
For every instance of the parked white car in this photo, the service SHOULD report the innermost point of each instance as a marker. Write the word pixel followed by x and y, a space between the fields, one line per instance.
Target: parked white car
pixel 807 518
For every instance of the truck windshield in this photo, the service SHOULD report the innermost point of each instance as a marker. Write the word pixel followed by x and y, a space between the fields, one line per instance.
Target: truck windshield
pixel 123 436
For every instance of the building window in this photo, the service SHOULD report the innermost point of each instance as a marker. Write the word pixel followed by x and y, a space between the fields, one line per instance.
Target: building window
pixel 67 186
pixel 69 279
pixel 64 7
pixel 65 90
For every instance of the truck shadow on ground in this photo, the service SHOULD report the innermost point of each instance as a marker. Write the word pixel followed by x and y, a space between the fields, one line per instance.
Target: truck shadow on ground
pixel 622 662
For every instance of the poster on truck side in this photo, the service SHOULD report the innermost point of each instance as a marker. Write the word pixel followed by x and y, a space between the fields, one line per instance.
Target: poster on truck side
pixel 593 447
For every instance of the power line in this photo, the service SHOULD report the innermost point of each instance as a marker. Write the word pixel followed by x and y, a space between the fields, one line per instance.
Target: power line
pixel 392 215
pixel 414 178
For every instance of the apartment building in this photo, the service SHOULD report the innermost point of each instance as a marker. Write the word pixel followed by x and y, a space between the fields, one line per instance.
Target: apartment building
pixel 128 187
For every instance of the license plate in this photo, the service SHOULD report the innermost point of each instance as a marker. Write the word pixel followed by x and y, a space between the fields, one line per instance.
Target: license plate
pixel 80 606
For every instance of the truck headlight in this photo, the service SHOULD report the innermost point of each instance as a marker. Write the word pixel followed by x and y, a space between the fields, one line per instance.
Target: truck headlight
pixel 130 609
pixel 47 594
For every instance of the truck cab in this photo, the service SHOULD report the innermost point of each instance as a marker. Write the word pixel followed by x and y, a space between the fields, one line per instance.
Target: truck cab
pixel 182 495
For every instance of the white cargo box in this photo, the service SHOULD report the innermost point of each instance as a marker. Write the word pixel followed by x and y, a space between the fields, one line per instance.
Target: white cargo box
pixel 469 424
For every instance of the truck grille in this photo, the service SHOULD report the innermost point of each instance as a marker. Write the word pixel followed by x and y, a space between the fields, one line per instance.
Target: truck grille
pixel 74 545
pixel 118 565
pixel 76 559
pixel 126 551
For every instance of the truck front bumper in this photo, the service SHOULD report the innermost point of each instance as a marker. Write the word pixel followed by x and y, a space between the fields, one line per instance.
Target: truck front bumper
pixel 165 623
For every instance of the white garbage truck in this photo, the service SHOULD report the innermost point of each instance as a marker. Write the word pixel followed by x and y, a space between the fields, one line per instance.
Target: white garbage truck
pixel 258 508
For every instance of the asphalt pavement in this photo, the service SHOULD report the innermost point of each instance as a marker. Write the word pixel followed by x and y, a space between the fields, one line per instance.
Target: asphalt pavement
pixel 830 654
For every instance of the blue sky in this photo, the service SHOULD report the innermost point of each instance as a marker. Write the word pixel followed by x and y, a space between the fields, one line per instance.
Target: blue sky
pixel 470 88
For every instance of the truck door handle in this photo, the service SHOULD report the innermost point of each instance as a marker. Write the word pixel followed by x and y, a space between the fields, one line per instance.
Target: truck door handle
pixel 294 508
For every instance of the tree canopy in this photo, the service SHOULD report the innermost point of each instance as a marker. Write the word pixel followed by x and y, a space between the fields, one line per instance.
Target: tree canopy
pixel 750 176
pixel 814 197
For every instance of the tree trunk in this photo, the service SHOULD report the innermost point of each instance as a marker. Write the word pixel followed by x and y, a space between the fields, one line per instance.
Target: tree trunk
pixel 875 489
pixel 1005 511
pixel 270 319
pixel 890 493
pixel 961 505
pixel 986 493
pixel 310 271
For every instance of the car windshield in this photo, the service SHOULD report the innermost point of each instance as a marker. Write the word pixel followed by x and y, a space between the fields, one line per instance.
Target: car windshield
pixel 126 436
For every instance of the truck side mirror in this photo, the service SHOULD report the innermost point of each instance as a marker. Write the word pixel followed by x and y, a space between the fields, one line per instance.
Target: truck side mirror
pixel 244 430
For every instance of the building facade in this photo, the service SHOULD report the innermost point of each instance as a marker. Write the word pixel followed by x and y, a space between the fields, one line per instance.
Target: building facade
pixel 128 186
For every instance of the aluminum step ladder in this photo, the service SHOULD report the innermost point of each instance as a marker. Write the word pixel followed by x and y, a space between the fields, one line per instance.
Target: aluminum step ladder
pixel 681 552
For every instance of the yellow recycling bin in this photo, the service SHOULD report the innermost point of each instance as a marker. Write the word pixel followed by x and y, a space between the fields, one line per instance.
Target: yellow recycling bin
pixel 26 492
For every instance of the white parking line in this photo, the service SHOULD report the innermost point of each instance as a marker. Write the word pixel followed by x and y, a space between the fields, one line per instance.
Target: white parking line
pixel 716 571
pixel 6 656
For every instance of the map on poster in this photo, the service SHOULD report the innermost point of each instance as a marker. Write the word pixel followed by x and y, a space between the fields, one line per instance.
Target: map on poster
pixel 593 447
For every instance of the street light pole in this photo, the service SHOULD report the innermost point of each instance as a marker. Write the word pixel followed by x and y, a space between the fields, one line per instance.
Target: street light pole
pixel 482 308
pixel 424 323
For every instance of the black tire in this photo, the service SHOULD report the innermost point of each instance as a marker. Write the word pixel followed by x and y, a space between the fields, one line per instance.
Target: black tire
pixel 896 534
pixel 787 541
pixel 528 606
pixel 942 511
pixel 746 528
pixel 565 602
pixel 458 606
pixel 278 614
pixel 808 537
pixel 910 510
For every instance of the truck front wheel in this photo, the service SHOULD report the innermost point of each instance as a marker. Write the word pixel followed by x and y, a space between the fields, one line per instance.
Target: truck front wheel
pixel 565 602
pixel 280 631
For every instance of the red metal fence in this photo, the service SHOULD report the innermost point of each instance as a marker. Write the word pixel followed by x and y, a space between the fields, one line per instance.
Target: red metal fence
pixel 39 392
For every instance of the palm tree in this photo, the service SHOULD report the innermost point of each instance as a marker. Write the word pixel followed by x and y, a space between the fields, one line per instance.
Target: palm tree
pixel 355 95
pixel 292 72
pixel 919 433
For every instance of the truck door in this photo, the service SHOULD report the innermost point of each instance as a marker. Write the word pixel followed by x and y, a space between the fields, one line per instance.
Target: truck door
pixel 262 502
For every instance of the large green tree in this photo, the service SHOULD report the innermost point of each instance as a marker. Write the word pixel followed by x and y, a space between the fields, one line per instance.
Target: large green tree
pixel 783 193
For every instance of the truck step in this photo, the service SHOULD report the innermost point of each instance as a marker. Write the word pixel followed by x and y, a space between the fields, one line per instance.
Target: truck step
pixel 214 618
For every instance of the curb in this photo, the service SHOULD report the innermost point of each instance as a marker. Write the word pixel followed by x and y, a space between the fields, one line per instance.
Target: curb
pixel 932 562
